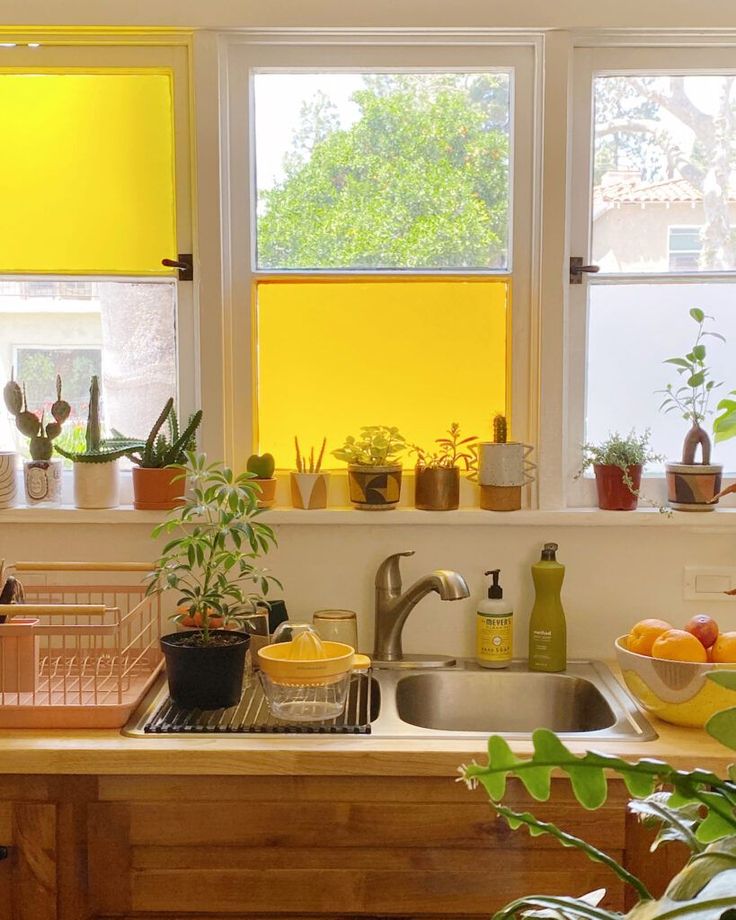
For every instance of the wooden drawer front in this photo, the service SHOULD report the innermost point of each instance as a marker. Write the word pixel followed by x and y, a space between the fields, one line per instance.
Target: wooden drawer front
pixel 372 857
pixel 28 875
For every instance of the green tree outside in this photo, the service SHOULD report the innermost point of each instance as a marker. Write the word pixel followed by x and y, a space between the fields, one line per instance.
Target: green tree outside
pixel 420 180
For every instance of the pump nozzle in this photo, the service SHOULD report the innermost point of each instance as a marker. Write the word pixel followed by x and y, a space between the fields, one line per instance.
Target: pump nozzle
pixel 495 592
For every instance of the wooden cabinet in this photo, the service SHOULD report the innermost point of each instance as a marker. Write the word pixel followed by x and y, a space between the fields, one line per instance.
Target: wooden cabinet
pixel 257 847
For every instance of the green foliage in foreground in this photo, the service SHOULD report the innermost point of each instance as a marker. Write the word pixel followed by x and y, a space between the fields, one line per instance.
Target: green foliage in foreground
pixel 695 807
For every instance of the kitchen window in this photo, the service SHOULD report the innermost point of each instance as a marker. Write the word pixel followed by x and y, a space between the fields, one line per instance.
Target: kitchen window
pixel 381 222
pixel 95 194
pixel 654 133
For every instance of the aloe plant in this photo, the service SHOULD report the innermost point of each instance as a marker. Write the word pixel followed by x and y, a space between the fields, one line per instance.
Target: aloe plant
pixel 160 450
pixel 696 807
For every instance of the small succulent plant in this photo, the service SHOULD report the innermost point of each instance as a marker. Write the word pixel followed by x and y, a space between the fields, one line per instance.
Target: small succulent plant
pixel 453 451
pixel 97 449
pixel 161 450
pixel 41 436
pixel 377 445
pixel 262 466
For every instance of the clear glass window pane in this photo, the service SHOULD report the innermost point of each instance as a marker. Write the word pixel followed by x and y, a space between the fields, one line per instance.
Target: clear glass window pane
pixel 123 330
pixel 383 171
pixel 333 356
pixel 633 329
pixel 665 158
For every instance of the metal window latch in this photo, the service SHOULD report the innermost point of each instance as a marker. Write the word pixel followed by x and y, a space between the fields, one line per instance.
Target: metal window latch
pixel 577 268
pixel 184 263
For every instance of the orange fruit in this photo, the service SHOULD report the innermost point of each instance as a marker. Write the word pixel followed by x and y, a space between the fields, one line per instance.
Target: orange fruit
pixel 679 645
pixel 724 648
pixel 642 635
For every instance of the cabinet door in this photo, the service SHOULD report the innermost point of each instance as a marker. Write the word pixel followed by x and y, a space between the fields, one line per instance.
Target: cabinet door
pixel 28 869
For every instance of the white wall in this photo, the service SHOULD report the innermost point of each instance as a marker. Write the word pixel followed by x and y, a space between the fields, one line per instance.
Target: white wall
pixel 615 575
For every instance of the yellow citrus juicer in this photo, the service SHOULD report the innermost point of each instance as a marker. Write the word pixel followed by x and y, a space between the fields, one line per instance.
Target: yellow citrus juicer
pixel 309 660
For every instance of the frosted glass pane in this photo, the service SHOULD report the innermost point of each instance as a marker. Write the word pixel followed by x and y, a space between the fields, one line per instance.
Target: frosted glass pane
pixel 415 354
pixel 124 331
pixel 382 170
pixel 86 173
pixel 633 328
pixel 664 196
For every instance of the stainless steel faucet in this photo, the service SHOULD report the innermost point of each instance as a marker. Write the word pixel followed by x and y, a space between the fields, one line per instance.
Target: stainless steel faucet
pixel 393 607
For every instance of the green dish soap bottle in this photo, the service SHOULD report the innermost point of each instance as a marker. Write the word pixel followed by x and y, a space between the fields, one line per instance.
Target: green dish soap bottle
pixel 547 627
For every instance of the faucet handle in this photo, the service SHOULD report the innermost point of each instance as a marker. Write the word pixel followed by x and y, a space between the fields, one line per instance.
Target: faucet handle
pixel 388 576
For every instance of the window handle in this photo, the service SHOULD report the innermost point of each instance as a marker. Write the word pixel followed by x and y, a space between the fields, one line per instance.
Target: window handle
pixel 577 268
pixel 184 263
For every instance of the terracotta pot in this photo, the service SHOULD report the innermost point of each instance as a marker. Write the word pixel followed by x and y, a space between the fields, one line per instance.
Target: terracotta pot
pixel 613 493
pixel 500 498
pixel 693 486
pixel 96 485
pixel 309 490
pixel 268 492
pixel 157 489
pixel 437 489
pixel 374 488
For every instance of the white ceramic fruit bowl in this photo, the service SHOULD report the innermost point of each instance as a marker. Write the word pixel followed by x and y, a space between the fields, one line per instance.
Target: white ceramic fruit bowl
pixel 675 691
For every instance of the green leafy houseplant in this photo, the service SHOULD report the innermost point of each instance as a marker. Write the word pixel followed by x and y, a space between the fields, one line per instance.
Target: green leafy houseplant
pixel 618 463
pixel 374 468
pixel 437 474
pixel 210 564
pixel 695 807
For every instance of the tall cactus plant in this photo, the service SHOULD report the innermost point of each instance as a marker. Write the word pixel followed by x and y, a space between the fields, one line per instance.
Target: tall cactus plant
pixel 41 437
pixel 98 449
pixel 500 429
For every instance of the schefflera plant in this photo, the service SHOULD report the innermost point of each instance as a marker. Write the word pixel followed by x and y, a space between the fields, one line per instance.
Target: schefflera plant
pixel 695 807
pixel 41 436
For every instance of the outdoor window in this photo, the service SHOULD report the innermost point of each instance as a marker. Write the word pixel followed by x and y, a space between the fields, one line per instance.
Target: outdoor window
pixel 89 189
pixel 384 250
pixel 660 224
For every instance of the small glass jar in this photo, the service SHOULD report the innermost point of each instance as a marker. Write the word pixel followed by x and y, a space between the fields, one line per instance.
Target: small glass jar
pixel 337 626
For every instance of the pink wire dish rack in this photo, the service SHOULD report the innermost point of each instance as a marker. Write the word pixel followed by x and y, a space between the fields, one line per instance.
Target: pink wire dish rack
pixel 82 650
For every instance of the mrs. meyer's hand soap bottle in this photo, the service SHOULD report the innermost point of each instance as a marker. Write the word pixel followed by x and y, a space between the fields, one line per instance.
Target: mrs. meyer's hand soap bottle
pixel 547 628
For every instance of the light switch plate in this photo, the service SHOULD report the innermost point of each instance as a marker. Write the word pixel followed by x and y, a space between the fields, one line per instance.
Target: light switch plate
pixel 708 582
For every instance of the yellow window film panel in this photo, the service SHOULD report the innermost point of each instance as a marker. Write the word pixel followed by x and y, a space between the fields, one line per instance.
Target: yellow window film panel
pixel 417 354
pixel 87 172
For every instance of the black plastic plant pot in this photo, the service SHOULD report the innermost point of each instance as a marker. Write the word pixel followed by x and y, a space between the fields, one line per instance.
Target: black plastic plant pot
pixel 205 676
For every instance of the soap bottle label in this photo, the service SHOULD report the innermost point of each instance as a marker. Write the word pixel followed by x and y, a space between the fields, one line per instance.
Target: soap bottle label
pixel 494 636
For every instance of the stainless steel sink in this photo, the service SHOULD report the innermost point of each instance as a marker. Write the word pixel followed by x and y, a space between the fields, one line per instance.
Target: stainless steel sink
pixel 586 702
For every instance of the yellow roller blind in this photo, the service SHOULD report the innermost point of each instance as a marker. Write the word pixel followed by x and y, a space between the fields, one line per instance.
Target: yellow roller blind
pixel 86 172
pixel 418 354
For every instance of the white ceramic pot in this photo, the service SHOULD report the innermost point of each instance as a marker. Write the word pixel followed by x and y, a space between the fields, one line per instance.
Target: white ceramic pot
pixel 8 489
pixel 42 480
pixel 504 464
pixel 96 485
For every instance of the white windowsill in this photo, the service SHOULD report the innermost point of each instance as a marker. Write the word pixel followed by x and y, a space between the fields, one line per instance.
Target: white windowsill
pixel 723 519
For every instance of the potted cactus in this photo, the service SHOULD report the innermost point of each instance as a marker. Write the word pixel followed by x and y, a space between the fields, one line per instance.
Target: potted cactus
pixel 158 485
pixel 503 468
pixel 42 473
pixel 96 475
pixel 308 483
pixel 437 475
pixel 374 470
pixel 262 468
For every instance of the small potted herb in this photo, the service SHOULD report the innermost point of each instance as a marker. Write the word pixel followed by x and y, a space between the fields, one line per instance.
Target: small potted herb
pixel 692 486
pixel 262 468
pixel 208 564
pixel 96 475
pixel 618 463
pixel 157 482
pixel 374 470
pixel 308 483
pixel 42 473
pixel 437 475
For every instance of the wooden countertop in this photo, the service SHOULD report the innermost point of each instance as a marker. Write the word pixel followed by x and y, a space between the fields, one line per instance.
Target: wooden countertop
pixel 98 752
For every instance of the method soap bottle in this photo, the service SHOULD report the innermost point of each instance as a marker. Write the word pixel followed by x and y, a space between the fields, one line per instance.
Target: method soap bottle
pixel 547 628
pixel 494 627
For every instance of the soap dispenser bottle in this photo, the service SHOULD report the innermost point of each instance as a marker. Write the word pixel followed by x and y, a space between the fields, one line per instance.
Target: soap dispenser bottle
pixel 494 627
pixel 547 627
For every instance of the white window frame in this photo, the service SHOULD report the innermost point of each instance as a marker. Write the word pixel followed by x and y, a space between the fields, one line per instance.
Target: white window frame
pixel 241 54
pixel 166 52
pixel 609 55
